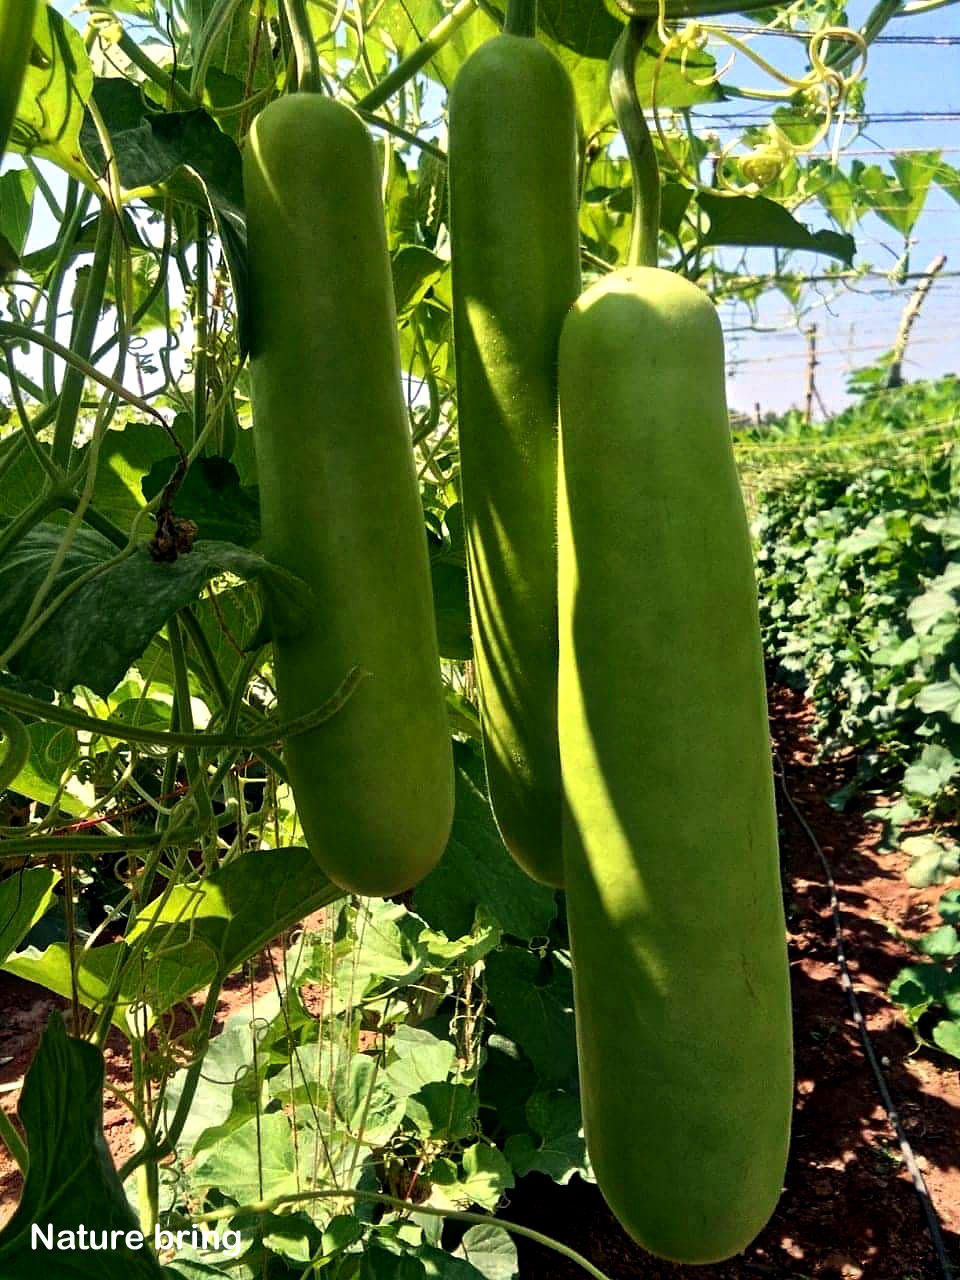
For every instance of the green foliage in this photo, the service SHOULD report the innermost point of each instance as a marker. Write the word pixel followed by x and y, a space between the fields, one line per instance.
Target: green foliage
pixel 71 1184
pixel 859 580
pixel 929 993
pixel 859 576
pixel 442 1065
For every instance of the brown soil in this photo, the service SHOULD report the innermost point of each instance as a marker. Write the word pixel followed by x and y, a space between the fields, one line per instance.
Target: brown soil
pixel 849 1209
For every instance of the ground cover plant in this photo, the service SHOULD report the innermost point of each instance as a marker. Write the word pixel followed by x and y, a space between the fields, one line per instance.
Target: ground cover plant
pixel 858 578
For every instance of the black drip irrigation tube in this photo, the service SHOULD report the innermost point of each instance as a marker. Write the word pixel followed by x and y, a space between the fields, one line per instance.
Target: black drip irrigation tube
pixel 934 1225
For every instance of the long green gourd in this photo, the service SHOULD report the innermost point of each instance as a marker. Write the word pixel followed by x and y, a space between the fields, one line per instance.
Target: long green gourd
pixel 515 255
pixel 670 836
pixel 16 43
pixel 339 500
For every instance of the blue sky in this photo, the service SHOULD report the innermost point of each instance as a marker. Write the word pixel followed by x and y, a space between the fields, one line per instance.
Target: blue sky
pixel 855 327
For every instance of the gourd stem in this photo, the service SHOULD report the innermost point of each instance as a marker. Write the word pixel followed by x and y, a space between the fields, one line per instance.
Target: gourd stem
pixel 408 67
pixel 645 172
pixel 83 337
pixel 521 19
pixel 308 65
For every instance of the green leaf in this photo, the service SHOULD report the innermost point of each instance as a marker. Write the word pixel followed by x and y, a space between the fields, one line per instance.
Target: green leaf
pixel 381 951
pixel 917 987
pixel 384 1264
pixel 212 496
pixel 942 697
pixel 932 772
pixel 24 898
pixel 229 1091
pixel 476 869
pixel 941 944
pixel 438 1265
pixel 949 906
pixel 82 644
pixel 126 456
pixel 932 862
pixel 486 1175
pixel 415 270
pixel 16 207
pixel 755 220
pixel 180 153
pixel 948 178
pixel 451 603
pixel 53 755
pixel 417 1058
pixel 253 1162
pixel 492 1251
pixel 71 1182
pixel 924 612
pixel 146 989
pixel 946 1035
pixel 533 1006
pixel 583 26
pixel 238 908
pixel 443 1111
pixel 898 201
pixel 58 83
pixel 559 1149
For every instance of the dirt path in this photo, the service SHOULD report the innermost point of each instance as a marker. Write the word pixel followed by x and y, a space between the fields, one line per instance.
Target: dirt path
pixel 849 1210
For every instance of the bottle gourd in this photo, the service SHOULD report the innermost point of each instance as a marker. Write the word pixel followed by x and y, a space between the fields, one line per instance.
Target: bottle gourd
pixel 515 259
pixel 340 504
pixel 670 830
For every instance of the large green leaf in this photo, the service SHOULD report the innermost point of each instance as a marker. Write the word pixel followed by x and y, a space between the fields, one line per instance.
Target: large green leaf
pixel 71 1184
pixel 56 87
pixel 241 906
pixel 16 207
pixel 148 987
pixel 82 644
pixel 476 869
pixel 125 457
pixel 199 934
pixel 24 897
pixel 534 1008
pixel 53 757
pixel 756 221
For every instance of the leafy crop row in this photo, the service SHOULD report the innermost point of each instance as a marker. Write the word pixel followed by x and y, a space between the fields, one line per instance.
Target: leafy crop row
pixel 858 523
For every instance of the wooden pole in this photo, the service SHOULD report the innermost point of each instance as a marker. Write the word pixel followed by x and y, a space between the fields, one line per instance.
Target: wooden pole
pixel 907 320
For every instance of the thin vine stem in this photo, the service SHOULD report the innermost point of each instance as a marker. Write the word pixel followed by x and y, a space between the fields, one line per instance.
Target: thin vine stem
pixel 222 14
pixel 431 44
pixel 143 62
pixel 23 333
pixel 688 8
pixel 25 705
pixel 309 79
pixel 191 755
pixel 201 319
pixel 398 131
pixel 78 204
pixel 645 172
pixel 82 339
pixel 57 846
pixel 40 454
